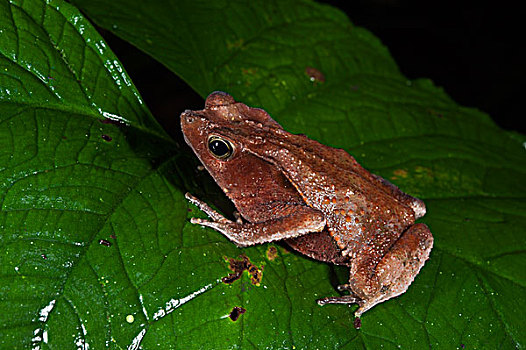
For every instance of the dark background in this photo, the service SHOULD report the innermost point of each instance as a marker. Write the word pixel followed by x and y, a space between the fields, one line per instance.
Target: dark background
pixel 473 50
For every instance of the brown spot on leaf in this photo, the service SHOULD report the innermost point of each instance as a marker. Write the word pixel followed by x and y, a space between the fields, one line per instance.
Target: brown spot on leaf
pixel 315 75
pixel 399 173
pixel 236 312
pixel 106 137
pixel 272 253
pixel 238 266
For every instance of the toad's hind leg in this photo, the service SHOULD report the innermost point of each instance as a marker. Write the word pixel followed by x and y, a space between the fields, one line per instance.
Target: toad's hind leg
pixel 399 266
pixel 392 275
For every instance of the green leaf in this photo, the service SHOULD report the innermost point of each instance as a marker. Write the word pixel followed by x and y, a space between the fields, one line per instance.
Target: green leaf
pixel 65 185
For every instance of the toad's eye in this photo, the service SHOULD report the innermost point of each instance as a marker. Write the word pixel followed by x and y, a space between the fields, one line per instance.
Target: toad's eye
pixel 219 147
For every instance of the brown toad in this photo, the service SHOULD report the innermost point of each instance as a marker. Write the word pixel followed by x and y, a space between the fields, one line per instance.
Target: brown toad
pixel 317 198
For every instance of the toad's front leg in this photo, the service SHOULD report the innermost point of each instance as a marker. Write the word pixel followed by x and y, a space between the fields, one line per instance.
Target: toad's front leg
pixel 299 220
pixel 396 270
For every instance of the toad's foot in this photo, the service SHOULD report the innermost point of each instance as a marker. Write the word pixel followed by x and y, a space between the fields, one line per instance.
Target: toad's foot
pixel 344 299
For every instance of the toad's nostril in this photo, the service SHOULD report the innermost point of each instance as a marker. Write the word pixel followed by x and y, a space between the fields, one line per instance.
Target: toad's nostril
pixel 189 118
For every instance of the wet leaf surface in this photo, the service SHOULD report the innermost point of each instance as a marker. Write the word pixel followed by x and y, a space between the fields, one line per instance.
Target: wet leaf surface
pixel 95 244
